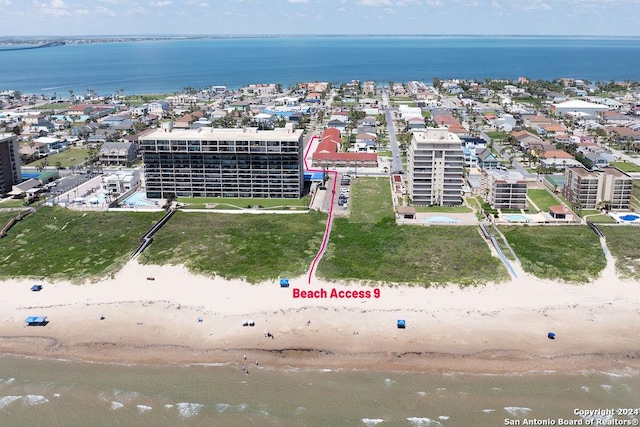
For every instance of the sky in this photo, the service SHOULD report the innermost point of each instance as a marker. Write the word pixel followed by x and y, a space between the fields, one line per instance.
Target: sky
pixel 282 17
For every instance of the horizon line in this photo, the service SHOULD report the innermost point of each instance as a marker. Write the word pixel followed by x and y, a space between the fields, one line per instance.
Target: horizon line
pixel 176 35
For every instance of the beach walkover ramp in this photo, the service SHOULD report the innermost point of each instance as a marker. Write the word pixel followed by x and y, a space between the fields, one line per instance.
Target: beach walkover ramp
pixel 327 229
pixel 148 237
pixel 17 217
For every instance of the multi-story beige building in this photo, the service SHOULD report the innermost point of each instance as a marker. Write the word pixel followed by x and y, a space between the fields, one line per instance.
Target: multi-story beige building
pixel 594 189
pixel 210 162
pixel 435 166
pixel 505 189
pixel 10 173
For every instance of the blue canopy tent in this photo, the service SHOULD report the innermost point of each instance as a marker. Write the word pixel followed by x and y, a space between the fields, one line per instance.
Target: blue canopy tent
pixel 401 324
pixel 551 336
pixel 284 283
pixel 36 321
pixel 36 288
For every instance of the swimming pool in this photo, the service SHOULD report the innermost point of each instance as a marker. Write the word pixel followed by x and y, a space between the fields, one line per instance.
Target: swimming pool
pixel 138 199
pixel 516 218
pixel 441 220
pixel 628 218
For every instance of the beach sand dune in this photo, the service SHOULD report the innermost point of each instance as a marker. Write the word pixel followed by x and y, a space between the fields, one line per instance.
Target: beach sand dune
pixel 180 317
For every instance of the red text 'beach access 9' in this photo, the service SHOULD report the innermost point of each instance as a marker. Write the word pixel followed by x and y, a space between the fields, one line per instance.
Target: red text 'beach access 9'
pixel 335 293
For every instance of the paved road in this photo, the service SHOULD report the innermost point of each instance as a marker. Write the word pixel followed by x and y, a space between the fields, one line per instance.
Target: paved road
pixel 396 162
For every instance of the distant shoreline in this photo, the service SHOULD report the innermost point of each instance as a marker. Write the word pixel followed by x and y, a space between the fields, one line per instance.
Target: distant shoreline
pixel 80 39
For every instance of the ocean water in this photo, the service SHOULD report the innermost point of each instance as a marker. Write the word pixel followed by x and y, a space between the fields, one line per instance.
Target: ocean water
pixel 61 393
pixel 169 66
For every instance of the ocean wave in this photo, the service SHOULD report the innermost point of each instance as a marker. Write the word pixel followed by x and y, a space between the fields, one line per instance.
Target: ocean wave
pixel 585 388
pixel 300 410
pixel 422 393
pixel 7 400
pixel 221 407
pixel 517 411
pixel 143 408
pixel 34 399
pixel 606 387
pixel 241 407
pixel 116 405
pixel 372 421
pixel 488 411
pixel 426 422
pixel 189 410
pixel 388 381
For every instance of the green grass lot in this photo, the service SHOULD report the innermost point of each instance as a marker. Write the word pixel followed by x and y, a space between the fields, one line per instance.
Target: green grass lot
pixel 67 158
pixel 5 215
pixel 229 203
pixel 58 243
pixel 542 198
pixel 54 106
pixel 626 166
pixel 569 253
pixel 624 244
pixel 447 209
pixel 370 246
pixel 601 219
pixel 253 247
pixel 12 203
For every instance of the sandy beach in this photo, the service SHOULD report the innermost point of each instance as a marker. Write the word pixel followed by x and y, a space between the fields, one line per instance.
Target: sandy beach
pixel 182 318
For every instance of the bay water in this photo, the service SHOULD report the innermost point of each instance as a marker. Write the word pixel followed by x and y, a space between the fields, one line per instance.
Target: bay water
pixel 166 66
pixel 63 393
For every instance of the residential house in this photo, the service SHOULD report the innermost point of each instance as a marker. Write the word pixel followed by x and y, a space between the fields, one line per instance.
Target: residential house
pixel 589 108
pixel 486 159
pixel 557 159
pixel 158 107
pixel 118 153
pixel 121 181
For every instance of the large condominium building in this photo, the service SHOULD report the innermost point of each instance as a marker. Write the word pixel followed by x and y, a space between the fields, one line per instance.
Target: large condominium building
pixel 10 173
pixel 211 162
pixel 594 189
pixel 435 168
pixel 505 189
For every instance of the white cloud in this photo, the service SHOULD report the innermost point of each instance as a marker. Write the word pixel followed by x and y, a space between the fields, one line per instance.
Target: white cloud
pixel 298 1
pixel 163 3
pixel 496 5
pixel 110 1
pixel 101 10
pixel 375 3
pixel 197 3
pixel 54 8
pixel 532 5
pixel 434 3
pixel 5 2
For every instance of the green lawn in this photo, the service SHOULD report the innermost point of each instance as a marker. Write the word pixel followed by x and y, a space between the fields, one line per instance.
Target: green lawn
pixel 253 247
pixel 447 209
pixel 624 244
pixel 542 198
pixel 67 158
pixel 626 166
pixel 569 253
pixel 58 243
pixel 12 203
pixel 601 219
pixel 239 203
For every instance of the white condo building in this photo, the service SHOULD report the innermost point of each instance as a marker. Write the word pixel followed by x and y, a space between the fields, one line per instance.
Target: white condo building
pixel 435 168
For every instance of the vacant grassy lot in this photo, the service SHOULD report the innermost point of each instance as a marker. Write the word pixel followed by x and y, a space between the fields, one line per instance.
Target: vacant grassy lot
pixel 370 200
pixel 542 198
pixel 67 158
pixel 370 246
pixel 569 253
pixel 624 244
pixel 58 243
pixel 626 166
pixel 253 247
